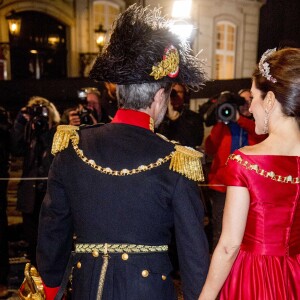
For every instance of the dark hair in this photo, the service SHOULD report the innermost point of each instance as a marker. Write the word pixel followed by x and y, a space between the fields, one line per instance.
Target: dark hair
pixel 285 68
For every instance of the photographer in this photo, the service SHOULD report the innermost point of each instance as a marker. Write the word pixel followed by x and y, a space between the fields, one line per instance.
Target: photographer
pixel 231 130
pixel 244 110
pixel 109 99
pixel 89 110
pixel 32 136
pixel 180 123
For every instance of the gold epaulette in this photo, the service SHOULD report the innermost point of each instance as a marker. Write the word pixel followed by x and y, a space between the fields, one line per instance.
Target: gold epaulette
pixel 62 137
pixel 187 161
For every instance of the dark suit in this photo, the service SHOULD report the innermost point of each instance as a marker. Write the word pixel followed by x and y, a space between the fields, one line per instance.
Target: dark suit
pixel 135 209
pixel 187 129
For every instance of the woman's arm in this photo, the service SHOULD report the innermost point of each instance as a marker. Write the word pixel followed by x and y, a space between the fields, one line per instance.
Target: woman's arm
pixel 234 223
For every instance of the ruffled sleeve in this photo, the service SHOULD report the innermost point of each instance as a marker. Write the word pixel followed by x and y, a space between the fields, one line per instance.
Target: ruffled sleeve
pixel 234 173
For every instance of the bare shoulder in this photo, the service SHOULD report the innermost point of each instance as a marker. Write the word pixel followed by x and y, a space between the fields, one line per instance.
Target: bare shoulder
pixel 269 148
pixel 257 149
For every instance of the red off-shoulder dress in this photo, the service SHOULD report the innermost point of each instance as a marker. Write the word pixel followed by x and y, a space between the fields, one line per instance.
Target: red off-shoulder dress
pixel 268 263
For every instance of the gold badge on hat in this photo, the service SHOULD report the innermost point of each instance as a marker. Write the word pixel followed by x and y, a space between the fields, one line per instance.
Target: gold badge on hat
pixel 169 66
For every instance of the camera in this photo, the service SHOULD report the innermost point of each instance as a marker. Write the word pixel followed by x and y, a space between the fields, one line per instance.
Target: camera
pixel 84 112
pixel 222 107
pixel 39 116
pixel 229 104
pixel 85 115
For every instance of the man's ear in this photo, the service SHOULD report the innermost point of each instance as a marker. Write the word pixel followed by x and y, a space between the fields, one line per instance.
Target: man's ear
pixel 159 98
pixel 160 95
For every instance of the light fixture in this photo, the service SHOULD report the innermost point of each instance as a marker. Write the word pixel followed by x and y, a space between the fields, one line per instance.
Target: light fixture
pixel 100 37
pixel 181 13
pixel 182 28
pixel 14 23
pixel 53 39
pixel 182 9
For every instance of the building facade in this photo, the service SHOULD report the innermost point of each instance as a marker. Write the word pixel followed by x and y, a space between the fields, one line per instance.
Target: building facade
pixel 226 31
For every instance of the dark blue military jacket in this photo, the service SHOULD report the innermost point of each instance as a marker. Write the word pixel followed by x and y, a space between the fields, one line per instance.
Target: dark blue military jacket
pixel 136 209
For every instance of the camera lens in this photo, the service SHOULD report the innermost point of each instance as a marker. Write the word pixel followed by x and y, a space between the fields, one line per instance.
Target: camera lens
pixel 226 112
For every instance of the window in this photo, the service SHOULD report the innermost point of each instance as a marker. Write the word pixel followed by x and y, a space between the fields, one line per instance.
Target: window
pixel 105 13
pixel 225 50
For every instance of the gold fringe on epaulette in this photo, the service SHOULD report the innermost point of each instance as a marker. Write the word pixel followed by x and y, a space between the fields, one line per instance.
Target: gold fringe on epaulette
pixel 187 161
pixel 62 137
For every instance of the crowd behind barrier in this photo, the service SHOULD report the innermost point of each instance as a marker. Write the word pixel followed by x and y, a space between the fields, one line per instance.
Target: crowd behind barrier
pixel 63 91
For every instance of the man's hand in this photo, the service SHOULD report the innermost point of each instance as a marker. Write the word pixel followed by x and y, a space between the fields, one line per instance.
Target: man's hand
pixel 24 114
pixel 74 118
pixel 172 114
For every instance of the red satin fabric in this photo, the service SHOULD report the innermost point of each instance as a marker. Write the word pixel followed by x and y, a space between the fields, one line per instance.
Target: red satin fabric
pixel 268 264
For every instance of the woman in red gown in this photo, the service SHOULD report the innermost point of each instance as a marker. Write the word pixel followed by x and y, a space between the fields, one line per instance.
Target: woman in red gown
pixel 258 254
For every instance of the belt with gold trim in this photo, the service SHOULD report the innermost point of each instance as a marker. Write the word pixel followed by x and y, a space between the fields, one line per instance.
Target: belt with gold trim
pixel 106 248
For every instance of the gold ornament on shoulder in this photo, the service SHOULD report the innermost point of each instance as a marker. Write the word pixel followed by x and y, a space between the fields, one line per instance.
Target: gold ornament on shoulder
pixel 262 172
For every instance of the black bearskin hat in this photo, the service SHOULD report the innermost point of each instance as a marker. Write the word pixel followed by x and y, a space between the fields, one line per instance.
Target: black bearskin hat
pixel 142 49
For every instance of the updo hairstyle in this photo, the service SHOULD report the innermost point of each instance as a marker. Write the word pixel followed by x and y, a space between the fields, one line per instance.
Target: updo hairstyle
pixel 284 66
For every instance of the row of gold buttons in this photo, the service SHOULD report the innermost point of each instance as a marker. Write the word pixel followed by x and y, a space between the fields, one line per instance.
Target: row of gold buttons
pixel 125 256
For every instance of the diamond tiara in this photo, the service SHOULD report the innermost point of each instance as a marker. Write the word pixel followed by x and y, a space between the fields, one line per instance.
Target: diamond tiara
pixel 264 67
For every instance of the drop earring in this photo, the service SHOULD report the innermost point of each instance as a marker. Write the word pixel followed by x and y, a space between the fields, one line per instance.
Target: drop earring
pixel 266 122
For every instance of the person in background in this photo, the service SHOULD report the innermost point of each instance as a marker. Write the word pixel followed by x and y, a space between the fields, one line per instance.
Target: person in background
pixel 121 188
pixel 109 99
pixel 244 110
pixel 180 123
pixel 89 111
pixel 31 138
pixel 224 138
pixel 258 254
pixel 5 126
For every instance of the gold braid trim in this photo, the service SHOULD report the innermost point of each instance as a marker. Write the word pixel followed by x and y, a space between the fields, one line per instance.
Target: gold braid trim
pixel 103 273
pixel 166 66
pixel 186 161
pixel 106 248
pixel 119 248
pixel 62 136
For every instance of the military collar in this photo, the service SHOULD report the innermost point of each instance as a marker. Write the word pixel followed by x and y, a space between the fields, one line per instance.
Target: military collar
pixel 134 117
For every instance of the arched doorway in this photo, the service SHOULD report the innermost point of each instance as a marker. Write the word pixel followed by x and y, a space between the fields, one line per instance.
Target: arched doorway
pixel 40 49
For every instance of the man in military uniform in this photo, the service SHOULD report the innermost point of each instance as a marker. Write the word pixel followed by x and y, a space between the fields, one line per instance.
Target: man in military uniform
pixel 120 188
